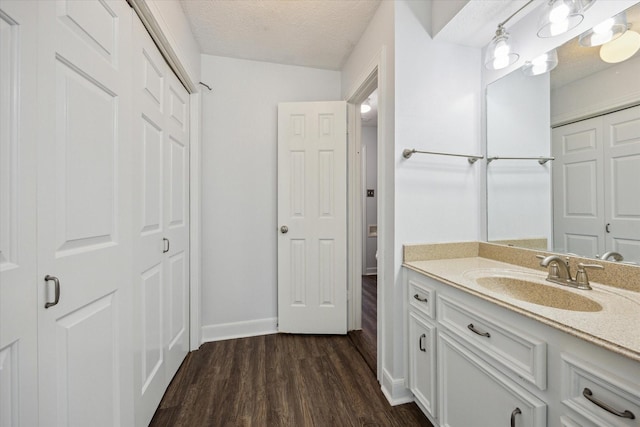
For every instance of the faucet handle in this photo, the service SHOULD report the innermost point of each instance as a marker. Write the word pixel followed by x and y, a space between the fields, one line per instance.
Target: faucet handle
pixel 582 279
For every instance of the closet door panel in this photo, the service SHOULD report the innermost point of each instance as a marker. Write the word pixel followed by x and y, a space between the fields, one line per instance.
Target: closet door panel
pixel 18 279
pixel 84 213
pixel 177 224
pixel 149 199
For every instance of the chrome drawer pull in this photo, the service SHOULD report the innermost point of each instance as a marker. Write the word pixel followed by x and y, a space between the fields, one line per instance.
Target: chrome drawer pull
pixel 474 330
pixel 421 343
pixel 416 296
pixel 589 395
pixel 513 416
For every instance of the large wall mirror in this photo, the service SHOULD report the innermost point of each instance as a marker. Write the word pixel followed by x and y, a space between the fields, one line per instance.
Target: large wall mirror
pixel 585 115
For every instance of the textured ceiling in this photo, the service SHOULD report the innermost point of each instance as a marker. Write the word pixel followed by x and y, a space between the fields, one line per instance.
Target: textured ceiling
pixel 475 25
pixel 576 62
pixel 311 33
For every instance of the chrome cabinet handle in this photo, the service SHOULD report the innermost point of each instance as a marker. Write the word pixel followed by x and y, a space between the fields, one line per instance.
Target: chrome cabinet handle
pixel 515 412
pixel 284 229
pixel 416 296
pixel 166 245
pixel 625 414
pixel 421 342
pixel 474 330
pixel 56 284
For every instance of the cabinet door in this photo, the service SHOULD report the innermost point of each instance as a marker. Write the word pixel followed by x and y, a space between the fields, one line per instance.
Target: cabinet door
pixel 422 362
pixel 475 394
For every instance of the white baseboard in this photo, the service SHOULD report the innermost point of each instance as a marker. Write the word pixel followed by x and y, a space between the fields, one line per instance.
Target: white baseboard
pixel 249 328
pixel 395 390
pixel 371 271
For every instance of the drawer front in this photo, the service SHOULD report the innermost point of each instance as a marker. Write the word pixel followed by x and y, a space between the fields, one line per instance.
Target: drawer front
pixel 421 296
pixel 516 350
pixel 599 395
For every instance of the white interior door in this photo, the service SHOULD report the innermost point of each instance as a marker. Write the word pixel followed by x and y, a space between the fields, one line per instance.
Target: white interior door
pixel 84 213
pixel 621 134
pixel 312 217
pixel 18 279
pixel 160 223
pixel 578 211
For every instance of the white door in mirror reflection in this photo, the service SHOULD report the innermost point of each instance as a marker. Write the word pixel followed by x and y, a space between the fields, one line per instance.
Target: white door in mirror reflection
pixel 595 178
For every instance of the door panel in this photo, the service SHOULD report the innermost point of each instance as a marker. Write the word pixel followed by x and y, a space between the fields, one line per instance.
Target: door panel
pixel 160 194
pixel 84 224
pixel 18 276
pixel 312 205
pixel 578 213
pixel 622 171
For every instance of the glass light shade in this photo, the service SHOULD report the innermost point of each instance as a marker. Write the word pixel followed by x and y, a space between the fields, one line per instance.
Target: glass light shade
pixel 582 5
pixel 365 107
pixel 558 17
pixel 605 31
pixel 500 52
pixel 542 64
pixel 621 49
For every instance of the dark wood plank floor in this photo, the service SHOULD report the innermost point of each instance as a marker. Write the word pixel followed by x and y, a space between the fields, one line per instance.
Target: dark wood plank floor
pixel 280 380
pixel 365 339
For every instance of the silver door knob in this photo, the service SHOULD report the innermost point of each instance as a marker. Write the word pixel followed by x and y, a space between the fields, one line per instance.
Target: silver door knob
pixel 284 229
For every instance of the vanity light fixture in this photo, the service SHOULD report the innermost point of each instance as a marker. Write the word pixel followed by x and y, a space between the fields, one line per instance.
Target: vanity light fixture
pixel 620 49
pixel 500 52
pixel 605 31
pixel 560 16
pixel 541 64
pixel 365 107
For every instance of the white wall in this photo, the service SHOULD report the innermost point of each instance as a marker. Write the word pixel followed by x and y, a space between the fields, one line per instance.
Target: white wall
pixel 239 177
pixel 614 87
pixel 518 125
pixel 438 105
pixel 370 143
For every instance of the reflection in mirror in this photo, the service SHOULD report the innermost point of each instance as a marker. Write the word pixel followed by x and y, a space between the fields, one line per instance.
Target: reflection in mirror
pixel 586 115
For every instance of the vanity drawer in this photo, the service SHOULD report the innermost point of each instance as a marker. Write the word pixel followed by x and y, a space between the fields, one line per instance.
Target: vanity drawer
pixel 518 351
pixel 600 396
pixel 421 296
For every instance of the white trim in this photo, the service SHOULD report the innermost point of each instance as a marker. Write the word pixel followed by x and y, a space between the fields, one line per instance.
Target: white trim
pixel 354 220
pixel 395 390
pixel 195 218
pixel 249 328
pixel 371 271
pixel 374 73
pixel 160 39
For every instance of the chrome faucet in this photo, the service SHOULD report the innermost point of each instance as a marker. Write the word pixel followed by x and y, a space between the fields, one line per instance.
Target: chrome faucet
pixel 560 273
pixel 612 254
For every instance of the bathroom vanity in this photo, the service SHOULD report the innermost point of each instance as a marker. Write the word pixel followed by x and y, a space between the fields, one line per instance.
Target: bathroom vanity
pixel 492 343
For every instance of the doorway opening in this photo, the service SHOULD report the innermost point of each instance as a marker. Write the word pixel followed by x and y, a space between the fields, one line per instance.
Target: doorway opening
pixel 365 338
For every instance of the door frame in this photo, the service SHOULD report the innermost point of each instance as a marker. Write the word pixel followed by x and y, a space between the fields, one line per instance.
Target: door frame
pixel 373 76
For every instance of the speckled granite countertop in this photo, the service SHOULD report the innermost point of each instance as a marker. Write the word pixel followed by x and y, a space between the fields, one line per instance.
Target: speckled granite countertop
pixel 615 327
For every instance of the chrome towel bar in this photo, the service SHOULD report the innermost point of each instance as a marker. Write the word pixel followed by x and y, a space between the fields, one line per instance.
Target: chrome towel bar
pixel 541 160
pixel 407 153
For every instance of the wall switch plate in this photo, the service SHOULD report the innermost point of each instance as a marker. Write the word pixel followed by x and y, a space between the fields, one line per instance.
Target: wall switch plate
pixel 369 193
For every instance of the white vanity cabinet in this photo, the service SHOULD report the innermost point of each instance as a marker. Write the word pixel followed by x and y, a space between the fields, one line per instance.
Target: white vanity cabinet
pixel 422 344
pixel 495 367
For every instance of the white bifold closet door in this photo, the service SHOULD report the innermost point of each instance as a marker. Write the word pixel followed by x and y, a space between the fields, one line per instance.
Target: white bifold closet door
pixel 84 212
pixel 18 280
pixel 160 224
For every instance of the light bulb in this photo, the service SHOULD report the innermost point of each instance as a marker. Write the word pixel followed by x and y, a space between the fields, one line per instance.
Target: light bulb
pixel 604 27
pixel 559 12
